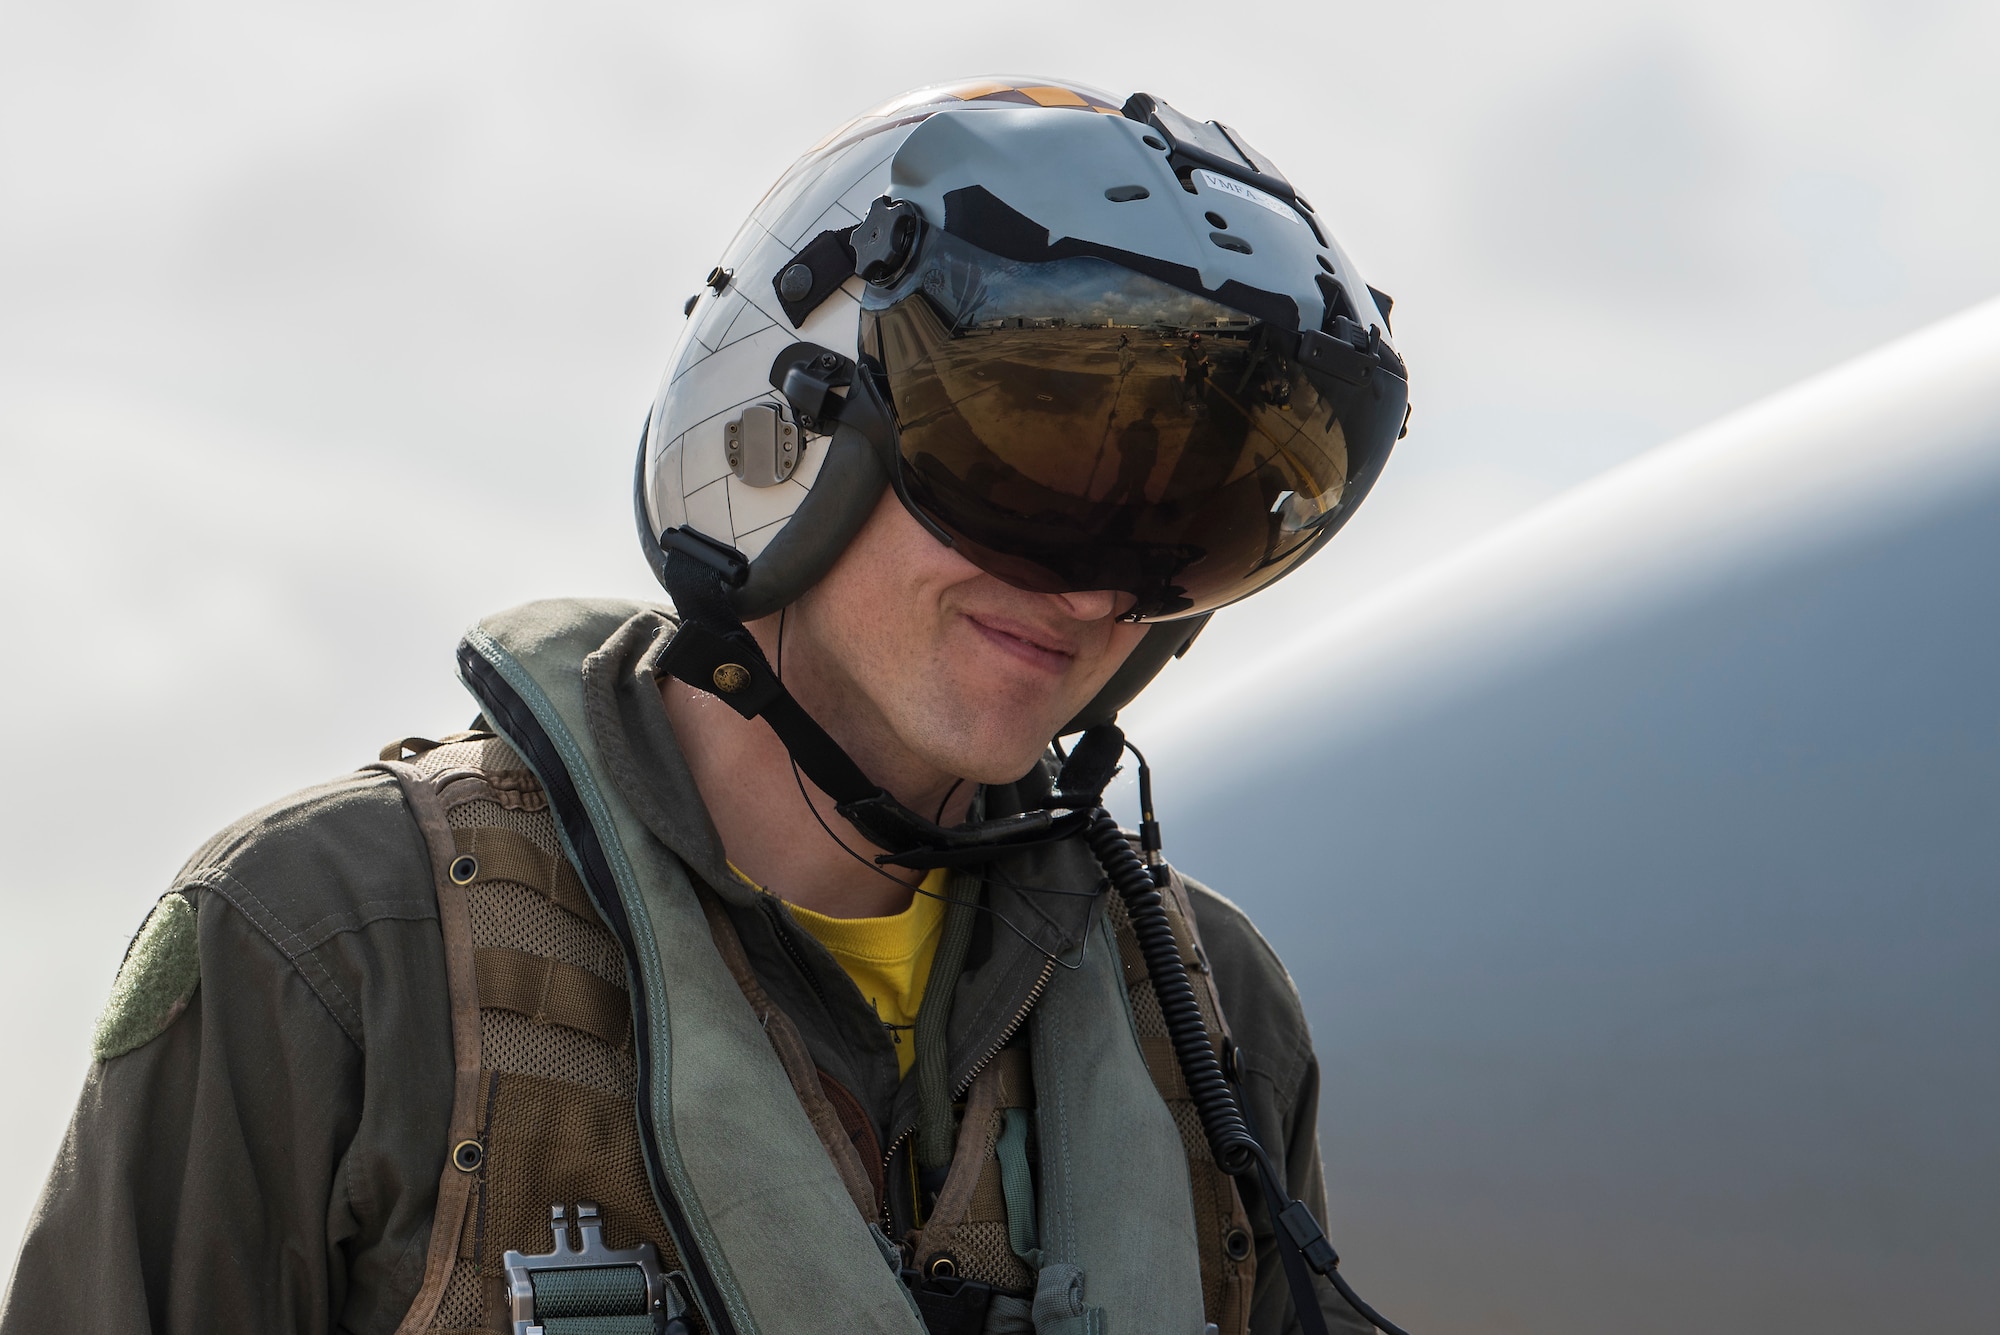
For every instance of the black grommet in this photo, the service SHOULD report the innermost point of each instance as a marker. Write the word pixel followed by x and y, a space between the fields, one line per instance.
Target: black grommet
pixel 1125 194
pixel 688 309
pixel 463 869
pixel 718 277
pixel 942 1266
pixel 467 1155
pixel 795 283
pixel 1216 220
pixel 1237 1243
pixel 1151 141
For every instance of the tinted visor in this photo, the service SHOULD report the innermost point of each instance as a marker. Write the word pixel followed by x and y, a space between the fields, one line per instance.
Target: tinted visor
pixel 1076 425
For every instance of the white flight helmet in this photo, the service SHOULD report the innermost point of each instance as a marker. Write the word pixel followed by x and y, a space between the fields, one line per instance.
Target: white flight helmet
pixel 1091 343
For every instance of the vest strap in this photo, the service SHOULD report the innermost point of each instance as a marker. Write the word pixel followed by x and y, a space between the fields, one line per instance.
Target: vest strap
pixel 550 991
pixel 501 854
pixel 455 1183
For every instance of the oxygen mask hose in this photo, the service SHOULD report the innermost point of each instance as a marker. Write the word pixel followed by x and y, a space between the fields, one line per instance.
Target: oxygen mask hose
pixel 1301 1242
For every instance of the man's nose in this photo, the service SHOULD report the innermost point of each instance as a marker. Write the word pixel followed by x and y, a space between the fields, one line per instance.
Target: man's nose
pixel 1093 604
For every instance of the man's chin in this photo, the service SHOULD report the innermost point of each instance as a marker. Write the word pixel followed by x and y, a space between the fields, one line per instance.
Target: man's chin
pixel 996 755
pixel 993 726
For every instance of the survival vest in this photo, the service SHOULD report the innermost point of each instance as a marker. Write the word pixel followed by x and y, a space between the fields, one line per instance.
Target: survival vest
pixel 612 1046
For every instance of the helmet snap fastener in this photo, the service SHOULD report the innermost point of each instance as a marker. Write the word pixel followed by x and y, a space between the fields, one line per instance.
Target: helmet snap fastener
pixel 942 1266
pixel 795 283
pixel 730 678
pixel 467 1155
pixel 885 240
pixel 463 869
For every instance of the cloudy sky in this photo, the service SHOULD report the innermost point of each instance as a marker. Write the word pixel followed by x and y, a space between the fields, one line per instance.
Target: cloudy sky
pixel 324 330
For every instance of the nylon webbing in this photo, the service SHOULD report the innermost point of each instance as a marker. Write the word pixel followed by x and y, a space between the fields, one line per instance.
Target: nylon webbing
pixel 575 1291
pixel 502 854
pixel 551 992
pixel 1017 1186
pixel 1158 1050
pixel 599 1325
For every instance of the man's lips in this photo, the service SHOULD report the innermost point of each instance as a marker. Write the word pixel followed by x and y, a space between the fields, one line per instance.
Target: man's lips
pixel 1027 644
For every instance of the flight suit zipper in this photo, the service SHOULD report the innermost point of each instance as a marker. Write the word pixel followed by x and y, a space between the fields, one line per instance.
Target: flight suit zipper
pixel 782 929
pixel 1007 1032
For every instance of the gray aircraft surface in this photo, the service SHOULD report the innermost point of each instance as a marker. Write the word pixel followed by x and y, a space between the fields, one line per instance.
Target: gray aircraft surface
pixel 1640 871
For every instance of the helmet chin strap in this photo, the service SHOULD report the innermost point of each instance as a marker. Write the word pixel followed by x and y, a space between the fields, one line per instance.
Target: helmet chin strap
pixel 713 651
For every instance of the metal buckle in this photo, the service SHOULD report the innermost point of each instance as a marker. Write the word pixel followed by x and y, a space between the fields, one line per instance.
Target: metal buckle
pixel 662 1301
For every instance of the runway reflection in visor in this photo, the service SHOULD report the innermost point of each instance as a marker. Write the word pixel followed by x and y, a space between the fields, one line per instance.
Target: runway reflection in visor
pixel 1075 425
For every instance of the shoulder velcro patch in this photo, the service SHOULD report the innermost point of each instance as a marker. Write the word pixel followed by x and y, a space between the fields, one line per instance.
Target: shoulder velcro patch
pixel 154 984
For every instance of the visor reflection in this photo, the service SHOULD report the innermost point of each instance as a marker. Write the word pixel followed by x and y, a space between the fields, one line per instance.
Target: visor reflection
pixel 1076 425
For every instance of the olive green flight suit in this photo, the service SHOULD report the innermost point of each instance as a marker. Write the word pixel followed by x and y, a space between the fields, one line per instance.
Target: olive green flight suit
pixel 266 1157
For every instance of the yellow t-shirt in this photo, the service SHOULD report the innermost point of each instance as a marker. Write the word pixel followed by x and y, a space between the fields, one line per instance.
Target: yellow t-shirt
pixel 889 958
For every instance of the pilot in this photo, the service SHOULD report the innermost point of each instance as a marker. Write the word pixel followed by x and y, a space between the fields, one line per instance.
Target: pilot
pixel 768 962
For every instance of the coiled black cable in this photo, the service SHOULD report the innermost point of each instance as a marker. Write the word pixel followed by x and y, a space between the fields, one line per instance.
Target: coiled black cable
pixel 1230 1139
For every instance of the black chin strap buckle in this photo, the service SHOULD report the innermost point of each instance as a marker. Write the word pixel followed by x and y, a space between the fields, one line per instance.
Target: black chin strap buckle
pixel 723 665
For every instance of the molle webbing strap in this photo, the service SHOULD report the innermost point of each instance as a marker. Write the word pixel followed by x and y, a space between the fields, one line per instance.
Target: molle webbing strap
pixel 405 746
pixel 500 854
pixel 1165 1067
pixel 408 748
pixel 552 992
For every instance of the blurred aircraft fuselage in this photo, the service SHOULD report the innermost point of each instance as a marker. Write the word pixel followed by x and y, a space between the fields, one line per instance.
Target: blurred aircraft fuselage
pixel 1640 872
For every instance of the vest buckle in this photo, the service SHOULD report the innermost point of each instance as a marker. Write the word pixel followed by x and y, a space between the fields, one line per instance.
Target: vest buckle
pixel 592 1281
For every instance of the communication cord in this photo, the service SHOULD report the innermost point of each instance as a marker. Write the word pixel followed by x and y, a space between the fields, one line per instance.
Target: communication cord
pixel 1236 1149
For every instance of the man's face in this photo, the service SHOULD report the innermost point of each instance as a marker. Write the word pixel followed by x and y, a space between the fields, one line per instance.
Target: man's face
pixel 907 652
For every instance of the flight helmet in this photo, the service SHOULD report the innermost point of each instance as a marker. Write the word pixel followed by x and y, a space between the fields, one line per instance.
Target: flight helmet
pixel 1091 344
